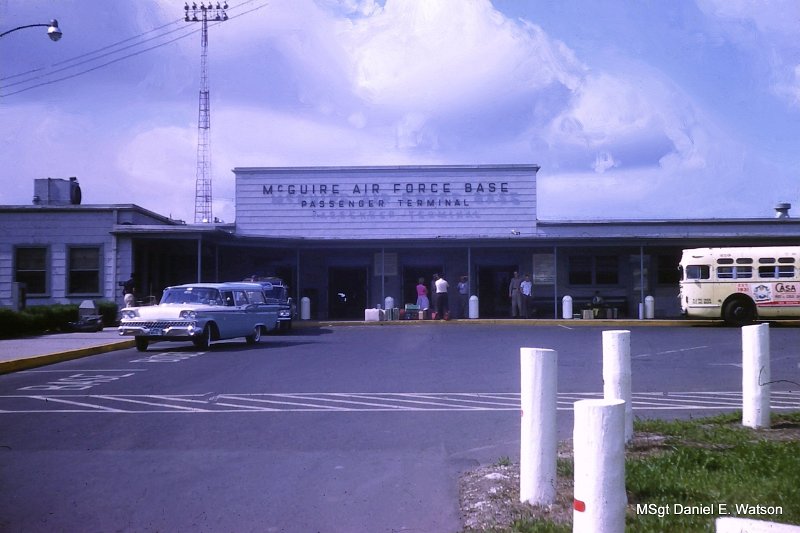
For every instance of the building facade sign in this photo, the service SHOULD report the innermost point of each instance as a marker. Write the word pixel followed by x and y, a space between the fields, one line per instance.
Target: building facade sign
pixel 387 202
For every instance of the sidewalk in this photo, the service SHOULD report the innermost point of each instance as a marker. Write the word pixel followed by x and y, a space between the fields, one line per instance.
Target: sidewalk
pixel 31 352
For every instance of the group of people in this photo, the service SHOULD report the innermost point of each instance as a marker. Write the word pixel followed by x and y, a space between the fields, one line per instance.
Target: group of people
pixel 439 299
pixel 520 290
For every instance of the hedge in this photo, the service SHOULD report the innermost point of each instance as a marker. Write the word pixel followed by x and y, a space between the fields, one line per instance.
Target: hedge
pixel 40 319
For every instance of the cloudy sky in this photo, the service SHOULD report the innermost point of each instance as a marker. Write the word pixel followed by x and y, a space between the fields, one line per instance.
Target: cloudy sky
pixel 646 109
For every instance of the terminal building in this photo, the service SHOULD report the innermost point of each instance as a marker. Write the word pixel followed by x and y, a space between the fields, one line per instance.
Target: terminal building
pixel 348 237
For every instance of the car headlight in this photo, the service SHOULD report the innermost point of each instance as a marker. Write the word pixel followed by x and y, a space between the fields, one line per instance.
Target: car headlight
pixel 191 315
pixel 130 313
pixel 284 313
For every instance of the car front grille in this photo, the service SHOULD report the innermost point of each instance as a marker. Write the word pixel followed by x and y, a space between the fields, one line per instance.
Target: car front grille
pixel 161 324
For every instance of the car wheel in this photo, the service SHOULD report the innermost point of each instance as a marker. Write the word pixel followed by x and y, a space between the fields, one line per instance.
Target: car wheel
pixel 203 342
pixel 255 337
pixel 141 344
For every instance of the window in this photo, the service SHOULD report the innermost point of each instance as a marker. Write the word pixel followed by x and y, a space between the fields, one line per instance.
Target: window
pixel 255 297
pixel 667 272
pixel 84 270
pixel 606 270
pixel 734 272
pixel 589 270
pixel 698 272
pixel 580 270
pixel 776 271
pixel 30 268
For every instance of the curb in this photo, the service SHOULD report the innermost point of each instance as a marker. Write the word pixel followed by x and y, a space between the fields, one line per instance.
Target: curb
pixel 41 360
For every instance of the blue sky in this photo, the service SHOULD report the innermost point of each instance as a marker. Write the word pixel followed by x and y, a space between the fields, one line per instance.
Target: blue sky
pixel 648 109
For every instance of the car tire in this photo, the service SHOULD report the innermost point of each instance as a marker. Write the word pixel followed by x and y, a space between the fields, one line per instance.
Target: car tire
pixel 255 337
pixel 203 342
pixel 142 343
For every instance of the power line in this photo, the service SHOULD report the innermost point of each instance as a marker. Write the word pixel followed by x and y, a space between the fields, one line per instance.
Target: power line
pixel 117 60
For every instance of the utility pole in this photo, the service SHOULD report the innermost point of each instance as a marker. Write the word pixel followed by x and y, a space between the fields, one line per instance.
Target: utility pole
pixel 202 191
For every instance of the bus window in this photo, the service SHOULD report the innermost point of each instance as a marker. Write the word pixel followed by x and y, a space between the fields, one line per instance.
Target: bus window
pixel 734 272
pixel 776 271
pixel 744 261
pixel 786 260
pixel 766 260
pixel 698 272
pixel 725 261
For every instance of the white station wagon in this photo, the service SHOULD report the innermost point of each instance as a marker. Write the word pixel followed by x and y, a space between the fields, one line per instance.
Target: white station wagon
pixel 202 312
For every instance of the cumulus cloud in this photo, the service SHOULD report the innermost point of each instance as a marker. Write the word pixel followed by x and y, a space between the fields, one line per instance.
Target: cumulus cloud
pixel 354 82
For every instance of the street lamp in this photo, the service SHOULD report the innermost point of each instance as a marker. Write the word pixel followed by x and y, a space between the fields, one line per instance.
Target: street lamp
pixel 52 29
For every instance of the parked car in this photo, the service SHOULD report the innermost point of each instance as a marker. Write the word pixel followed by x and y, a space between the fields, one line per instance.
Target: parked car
pixel 201 313
pixel 277 292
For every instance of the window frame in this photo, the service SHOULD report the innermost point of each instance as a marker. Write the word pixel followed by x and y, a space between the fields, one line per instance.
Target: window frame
pixel 70 290
pixel 592 270
pixel 45 272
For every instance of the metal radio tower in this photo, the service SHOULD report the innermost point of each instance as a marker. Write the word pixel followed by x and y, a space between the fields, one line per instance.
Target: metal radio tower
pixel 202 190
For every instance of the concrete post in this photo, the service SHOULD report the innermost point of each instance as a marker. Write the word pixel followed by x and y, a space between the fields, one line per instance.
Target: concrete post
pixel 305 308
pixel 539 435
pixel 473 306
pixel 649 307
pixel 566 307
pixel 617 373
pixel 599 448
pixel 755 376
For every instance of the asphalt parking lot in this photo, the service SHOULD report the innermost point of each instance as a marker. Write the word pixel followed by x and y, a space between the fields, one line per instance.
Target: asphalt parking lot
pixel 347 428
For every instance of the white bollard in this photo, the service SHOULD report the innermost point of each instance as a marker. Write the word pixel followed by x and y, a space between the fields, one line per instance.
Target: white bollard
pixel 305 308
pixel 729 524
pixel 566 307
pixel 599 450
pixel 649 307
pixel 617 373
pixel 388 303
pixel 755 376
pixel 539 435
pixel 473 306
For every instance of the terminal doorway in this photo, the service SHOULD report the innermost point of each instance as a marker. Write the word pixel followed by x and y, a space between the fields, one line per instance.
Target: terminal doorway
pixel 347 293
pixel 493 300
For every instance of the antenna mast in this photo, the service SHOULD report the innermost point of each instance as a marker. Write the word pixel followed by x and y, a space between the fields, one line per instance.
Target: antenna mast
pixel 202 190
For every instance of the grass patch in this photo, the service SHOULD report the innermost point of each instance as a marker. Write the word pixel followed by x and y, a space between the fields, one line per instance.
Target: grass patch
pixel 719 464
pixel 713 466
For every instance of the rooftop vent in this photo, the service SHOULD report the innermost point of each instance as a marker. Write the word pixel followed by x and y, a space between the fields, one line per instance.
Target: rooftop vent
pixel 782 210
pixel 49 191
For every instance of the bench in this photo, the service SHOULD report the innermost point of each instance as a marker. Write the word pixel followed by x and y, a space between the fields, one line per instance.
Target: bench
pixel 542 306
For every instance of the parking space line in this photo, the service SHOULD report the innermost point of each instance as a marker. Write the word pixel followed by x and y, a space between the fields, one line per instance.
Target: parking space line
pixel 365 402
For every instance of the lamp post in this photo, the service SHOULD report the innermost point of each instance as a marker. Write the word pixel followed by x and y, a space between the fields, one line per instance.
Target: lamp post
pixel 52 29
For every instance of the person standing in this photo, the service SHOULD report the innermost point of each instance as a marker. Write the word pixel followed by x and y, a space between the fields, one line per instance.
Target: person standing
pixel 129 291
pixel 526 287
pixel 441 298
pixel 515 294
pixel 463 297
pixel 422 295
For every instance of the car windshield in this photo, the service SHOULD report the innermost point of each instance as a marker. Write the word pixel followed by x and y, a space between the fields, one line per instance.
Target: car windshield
pixel 191 295
pixel 276 292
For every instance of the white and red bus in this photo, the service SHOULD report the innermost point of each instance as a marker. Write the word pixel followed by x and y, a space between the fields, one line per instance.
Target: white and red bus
pixel 741 285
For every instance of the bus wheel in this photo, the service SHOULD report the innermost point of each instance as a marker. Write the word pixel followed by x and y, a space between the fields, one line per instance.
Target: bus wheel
pixel 739 311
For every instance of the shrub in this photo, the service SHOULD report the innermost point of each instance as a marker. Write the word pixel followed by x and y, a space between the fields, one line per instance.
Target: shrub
pixel 109 311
